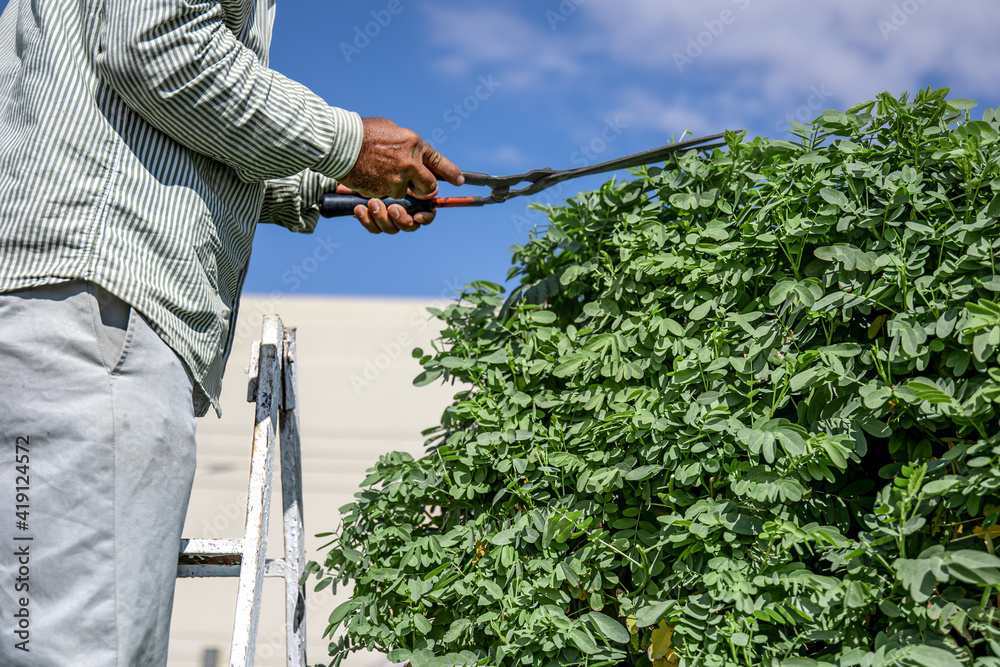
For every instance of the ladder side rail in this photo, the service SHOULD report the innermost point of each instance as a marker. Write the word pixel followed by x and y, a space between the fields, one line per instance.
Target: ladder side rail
pixel 293 519
pixel 268 402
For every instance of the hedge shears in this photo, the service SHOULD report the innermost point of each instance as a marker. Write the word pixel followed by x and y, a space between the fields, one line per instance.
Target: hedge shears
pixel 335 205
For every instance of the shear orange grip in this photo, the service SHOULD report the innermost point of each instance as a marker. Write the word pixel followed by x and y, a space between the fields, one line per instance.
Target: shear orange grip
pixel 445 202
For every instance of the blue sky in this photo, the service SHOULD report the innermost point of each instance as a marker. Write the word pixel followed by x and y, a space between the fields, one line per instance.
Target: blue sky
pixel 510 85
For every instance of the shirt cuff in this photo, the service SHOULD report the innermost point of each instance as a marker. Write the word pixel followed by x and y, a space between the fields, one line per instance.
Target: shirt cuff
pixel 293 202
pixel 348 134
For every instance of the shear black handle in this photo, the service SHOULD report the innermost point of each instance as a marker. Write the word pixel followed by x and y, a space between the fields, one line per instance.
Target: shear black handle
pixel 334 206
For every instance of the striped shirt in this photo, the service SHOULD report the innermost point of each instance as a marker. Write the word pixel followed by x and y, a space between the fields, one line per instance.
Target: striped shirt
pixel 141 141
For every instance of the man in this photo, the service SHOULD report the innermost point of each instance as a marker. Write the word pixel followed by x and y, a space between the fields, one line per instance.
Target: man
pixel 141 141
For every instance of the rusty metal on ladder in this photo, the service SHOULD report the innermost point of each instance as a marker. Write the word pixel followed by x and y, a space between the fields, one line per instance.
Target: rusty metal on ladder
pixel 273 387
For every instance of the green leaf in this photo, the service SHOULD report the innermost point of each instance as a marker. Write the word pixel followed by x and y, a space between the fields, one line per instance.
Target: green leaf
pixel 498 357
pixel 582 641
pixel 835 197
pixel 427 377
pixel 930 392
pixel 342 611
pixel 567 574
pixel 570 364
pixel 781 291
pixel 684 200
pixel 993 209
pixel 495 591
pixel 543 317
pixel 843 350
pixel 889 608
pixel 452 363
pixel 946 323
pixel 743 524
pixel 927 656
pixel 850 256
pixel 562 459
pixel 672 327
pixel 875 427
pixel 609 628
pixel 421 623
pixel 807 378
pixel 504 537
pixel 701 311
pixel 917 576
pixel 455 631
pixel 642 473
pixel 974 567
pixel 399 655
pixel 962 104
pixel 653 614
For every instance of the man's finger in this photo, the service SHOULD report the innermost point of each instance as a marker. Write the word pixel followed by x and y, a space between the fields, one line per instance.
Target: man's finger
pixel 364 217
pixel 443 167
pixel 423 183
pixel 402 219
pixel 380 215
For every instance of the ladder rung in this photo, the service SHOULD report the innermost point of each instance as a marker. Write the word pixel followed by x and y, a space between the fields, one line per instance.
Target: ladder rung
pixel 222 552
pixel 273 567
pixel 220 546
pixel 188 571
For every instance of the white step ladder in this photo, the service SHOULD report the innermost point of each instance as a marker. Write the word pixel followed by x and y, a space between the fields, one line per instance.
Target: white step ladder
pixel 273 387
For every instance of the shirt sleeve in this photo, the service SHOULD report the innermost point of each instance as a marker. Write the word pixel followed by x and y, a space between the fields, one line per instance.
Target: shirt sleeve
pixel 293 202
pixel 179 66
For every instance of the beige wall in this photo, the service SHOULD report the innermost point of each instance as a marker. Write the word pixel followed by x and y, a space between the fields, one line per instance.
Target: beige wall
pixel 356 402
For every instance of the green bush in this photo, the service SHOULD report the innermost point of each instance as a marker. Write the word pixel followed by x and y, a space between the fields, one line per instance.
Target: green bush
pixel 740 411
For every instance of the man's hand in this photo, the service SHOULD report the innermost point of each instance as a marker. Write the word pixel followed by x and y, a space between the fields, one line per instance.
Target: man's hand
pixel 395 161
pixel 376 218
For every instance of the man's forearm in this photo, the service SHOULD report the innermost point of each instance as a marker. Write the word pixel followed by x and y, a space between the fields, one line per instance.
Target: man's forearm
pixel 179 66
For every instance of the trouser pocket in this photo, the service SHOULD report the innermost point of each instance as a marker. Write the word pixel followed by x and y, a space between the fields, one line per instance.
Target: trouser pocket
pixel 113 324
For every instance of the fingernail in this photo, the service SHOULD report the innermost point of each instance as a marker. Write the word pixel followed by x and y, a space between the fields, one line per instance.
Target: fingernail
pixel 461 179
pixel 394 213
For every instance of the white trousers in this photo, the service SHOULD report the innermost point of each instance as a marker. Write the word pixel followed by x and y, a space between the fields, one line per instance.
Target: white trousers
pixel 97 458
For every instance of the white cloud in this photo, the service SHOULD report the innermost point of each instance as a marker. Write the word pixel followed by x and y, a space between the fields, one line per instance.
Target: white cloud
pixel 473 38
pixel 855 47
pixel 750 59
pixel 639 107
pixel 507 156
